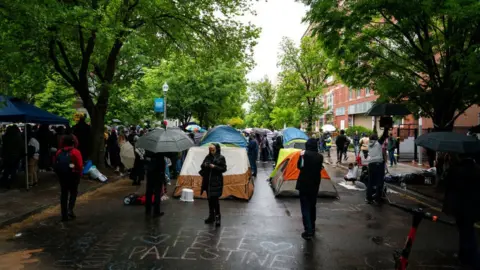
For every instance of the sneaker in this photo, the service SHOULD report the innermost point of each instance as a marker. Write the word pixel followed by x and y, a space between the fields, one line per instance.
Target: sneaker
pixel 71 215
pixel 210 220
pixel 307 236
pixel 368 201
pixel 158 214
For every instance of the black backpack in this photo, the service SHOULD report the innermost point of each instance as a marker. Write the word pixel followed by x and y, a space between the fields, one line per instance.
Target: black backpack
pixel 63 161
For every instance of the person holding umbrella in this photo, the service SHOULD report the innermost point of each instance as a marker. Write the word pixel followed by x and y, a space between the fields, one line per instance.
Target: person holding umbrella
pixel 462 177
pixel 212 169
pixel 155 179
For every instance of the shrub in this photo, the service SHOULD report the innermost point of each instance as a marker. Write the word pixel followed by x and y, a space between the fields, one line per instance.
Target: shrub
pixel 351 130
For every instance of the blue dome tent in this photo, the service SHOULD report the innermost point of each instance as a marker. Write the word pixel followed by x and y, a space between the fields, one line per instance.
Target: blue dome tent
pixel 290 134
pixel 225 135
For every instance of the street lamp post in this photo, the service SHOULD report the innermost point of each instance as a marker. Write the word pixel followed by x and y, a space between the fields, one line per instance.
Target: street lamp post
pixel 165 90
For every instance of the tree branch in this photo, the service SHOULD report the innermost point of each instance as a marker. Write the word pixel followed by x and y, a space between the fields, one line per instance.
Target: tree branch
pixel 82 73
pixel 67 61
pixel 81 39
pixel 56 63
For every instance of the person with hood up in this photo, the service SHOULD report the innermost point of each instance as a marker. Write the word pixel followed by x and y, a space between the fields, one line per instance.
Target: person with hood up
pixel 310 165
pixel 253 154
pixel 340 142
pixel 212 169
pixel 376 167
pixel 155 170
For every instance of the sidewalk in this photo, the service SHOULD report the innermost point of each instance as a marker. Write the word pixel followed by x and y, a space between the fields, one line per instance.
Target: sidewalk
pixel 425 193
pixel 18 204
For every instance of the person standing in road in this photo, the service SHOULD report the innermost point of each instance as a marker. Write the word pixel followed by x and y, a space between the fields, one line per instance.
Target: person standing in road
pixel 392 143
pixel 356 143
pixel 263 148
pixel 212 169
pixel 340 143
pixel 253 154
pixel 461 201
pixel 364 145
pixel 33 152
pixel 68 167
pixel 310 165
pixel 277 146
pixel 376 167
pixel 328 144
pixel 155 170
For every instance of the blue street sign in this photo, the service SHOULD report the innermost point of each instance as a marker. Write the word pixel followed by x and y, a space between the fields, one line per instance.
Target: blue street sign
pixel 158 105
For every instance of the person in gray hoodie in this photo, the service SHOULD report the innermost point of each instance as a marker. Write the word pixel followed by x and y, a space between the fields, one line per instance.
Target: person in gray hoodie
pixel 376 167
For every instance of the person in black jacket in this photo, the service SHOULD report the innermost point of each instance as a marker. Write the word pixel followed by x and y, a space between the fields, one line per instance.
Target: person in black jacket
pixel 461 201
pixel 212 169
pixel 310 165
pixel 340 142
pixel 155 178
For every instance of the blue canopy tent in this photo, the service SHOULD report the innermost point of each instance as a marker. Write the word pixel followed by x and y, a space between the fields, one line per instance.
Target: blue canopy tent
pixel 224 135
pixel 15 110
pixel 290 134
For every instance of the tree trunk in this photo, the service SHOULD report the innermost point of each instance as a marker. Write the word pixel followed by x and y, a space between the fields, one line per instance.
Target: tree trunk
pixel 97 143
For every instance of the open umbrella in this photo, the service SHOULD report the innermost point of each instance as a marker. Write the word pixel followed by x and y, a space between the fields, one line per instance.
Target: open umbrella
pixel 449 142
pixel 328 128
pixel 116 121
pixel 162 141
pixel 193 127
pixel 261 131
pixel 383 109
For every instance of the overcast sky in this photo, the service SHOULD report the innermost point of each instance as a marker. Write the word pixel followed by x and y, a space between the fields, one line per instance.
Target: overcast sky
pixel 276 18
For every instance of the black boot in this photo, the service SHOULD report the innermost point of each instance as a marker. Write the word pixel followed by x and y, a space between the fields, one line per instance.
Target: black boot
pixel 210 219
pixel 218 219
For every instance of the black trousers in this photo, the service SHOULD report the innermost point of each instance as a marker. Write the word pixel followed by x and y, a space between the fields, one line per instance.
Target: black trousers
pixel 340 153
pixel 10 168
pixel 154 188
pixel 308 206
pixel 68 192
pixel 214 205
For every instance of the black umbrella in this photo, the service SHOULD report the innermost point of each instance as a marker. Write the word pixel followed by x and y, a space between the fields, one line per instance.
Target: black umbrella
pixel 449 142
pixel 383 109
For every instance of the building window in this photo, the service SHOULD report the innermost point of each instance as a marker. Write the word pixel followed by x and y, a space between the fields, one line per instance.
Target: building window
pixel 350 93
pixel 358 93
pixel 340 111
pixel 350 121
pixel 367 91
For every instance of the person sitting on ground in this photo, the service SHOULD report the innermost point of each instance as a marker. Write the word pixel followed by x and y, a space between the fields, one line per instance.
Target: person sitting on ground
pixel 351 175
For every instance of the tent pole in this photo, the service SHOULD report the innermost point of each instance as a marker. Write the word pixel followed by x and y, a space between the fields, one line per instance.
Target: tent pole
pixel 26 155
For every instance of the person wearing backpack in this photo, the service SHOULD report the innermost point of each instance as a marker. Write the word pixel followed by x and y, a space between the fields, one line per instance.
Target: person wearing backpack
pixel 68 167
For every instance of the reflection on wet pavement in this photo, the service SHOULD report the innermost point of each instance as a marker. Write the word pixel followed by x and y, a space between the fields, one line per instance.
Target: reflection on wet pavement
pixel 263 233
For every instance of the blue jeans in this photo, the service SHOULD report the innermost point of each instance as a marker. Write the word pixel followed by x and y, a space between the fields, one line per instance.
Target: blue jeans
pixel 356 149
pixel 308 202
pixel 253 164
pixel 376 175
pixel 391 156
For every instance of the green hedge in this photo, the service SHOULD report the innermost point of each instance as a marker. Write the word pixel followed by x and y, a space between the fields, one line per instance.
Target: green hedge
pixel 351 130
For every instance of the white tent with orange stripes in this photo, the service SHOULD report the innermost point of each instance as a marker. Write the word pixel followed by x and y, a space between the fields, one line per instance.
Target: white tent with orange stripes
pixel 237 181
pixel 284 178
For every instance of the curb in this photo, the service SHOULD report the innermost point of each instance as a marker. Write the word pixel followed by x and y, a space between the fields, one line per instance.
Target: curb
pixel 41 208
pixel 431 202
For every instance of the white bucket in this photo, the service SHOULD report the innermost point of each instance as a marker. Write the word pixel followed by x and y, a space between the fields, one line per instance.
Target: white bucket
pixel 187 195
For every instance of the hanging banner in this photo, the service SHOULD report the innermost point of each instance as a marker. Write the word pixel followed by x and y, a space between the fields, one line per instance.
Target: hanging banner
pixel 159 105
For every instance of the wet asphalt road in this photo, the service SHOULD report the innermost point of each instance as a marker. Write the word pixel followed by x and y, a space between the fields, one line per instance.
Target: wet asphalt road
pixel 263 233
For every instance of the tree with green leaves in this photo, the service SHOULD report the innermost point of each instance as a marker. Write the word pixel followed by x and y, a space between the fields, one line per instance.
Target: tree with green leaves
pixel 285 116
pixel 99 45
pixel 209 89
pixel 57 98
pixel 262 95
pixel 422 53
pixel 304 71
